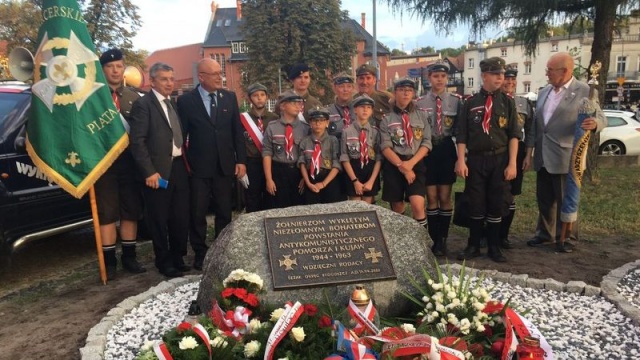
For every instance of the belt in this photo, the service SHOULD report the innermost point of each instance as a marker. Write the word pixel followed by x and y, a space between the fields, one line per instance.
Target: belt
pixel 438 140
pixel 405 157
pixel 283 165
pixel 490 152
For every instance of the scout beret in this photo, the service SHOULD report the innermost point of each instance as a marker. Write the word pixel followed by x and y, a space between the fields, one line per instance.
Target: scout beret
pixel 362 100
pixel 297 70
pixel 511 72
pixel 289 96
pixel 366 69
pixel 256 87
pixel 319 113
pixel 343 78
pixel 404 82
pixel 493 65
pixel 438 66
pixel 111 55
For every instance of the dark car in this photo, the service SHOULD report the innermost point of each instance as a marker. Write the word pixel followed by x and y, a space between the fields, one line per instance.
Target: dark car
pixel 31 206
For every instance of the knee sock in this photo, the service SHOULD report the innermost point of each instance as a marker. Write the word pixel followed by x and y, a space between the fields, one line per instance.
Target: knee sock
pixel 433 227
pixel 109 252
pixel 129 248
pixel 475 231
pixel 507 220
pixel 445 222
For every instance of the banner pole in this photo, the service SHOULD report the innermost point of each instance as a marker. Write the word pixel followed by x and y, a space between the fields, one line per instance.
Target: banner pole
pixel 96 231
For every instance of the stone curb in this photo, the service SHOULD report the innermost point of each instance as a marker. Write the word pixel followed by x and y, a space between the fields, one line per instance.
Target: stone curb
pixel 97 336
pixel 609 286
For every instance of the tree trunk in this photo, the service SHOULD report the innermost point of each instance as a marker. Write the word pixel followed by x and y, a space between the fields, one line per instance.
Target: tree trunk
pixel 600 51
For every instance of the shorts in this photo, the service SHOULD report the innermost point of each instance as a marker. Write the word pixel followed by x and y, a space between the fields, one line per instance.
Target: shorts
pixel 119 192
pixel 441 162
pixel 516 183
pixel 363 175
pixel 330 194
pixel 396 187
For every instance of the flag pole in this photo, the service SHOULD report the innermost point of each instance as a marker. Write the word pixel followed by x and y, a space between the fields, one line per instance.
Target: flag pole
pixel 96 230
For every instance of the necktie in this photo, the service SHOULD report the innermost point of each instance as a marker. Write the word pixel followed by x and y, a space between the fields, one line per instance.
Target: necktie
pixel 212 113
pixel 439 115
pixel 260 124
pixel 406 126
pixel 175 124
pixel 486 120
pixel 288 141
pixel 116 101
pixel 315 160
pixel 364 149
pixel 346 115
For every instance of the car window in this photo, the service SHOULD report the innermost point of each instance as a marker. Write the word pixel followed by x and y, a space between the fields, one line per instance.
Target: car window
pixel 12 114
pixel 615 121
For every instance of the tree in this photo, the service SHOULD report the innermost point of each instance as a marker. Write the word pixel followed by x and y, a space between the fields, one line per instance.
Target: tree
pixel 530 19
pixel 398 52
pixel 451 52
pixel 110 23
pixel 425 50
pixel 281 33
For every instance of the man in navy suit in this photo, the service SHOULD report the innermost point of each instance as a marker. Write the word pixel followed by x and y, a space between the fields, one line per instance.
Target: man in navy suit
pixel 215 152
pixel 156 145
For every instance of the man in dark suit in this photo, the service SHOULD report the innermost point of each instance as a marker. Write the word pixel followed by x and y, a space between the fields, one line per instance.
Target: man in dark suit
pixel 554 125
pixel 156 145
pixel 215 150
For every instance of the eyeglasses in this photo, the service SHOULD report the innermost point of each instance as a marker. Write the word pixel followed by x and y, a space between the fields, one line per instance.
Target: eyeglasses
pixel 214 74
pixel 548 70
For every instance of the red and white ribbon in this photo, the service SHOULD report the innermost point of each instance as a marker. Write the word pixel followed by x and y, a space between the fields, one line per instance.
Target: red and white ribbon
pixel 252 129
pixel 161 351
pixel 364 319
pixel 282 327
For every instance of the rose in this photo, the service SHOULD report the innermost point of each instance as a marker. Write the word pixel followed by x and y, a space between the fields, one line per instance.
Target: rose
pixel 227 292
pixel 275 314
pixel 187 343
pixel 497 347
pixel 324 321
pixel 251 348
pixel 476 350
pixel 310 309
pixel 251 300
pixel 408 328
pixel 254 325
pixel 240 293
pixel 297 333
pixel 218 341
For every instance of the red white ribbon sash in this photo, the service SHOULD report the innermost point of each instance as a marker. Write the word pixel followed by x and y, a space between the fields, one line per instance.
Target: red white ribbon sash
pixel 364 319
pixel 252 129
pixel 282 327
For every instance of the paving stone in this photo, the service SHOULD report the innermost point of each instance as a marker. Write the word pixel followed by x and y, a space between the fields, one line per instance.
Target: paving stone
pixel 520 280
pixel 551 284
pixel 591 290
pixel 502 276
pixel 576 287
pixel 535 283
pixel 101 329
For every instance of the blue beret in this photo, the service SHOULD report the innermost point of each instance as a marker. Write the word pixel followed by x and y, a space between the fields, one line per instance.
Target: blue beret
pixel 111 55
pixel 297 70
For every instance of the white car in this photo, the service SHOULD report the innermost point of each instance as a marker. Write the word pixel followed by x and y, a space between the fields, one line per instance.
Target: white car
pixel 621 136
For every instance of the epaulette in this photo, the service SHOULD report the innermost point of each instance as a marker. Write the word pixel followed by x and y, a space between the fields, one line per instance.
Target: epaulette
pixel 424 109
pixel 421 97
pixel 457 95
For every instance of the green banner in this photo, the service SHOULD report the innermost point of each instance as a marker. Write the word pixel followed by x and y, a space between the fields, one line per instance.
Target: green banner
pixel 74 132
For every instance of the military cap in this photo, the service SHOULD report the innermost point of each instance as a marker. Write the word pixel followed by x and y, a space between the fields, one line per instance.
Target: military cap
pixel 438 66
pixel 404 82
pixel 289 96
pixel 493 65
pixel 343 78
pixel 256 87
pixel 363 99
pixel 297 70
pixel 366 69
pixel 319 113
pixel 111 55
pixel 510 72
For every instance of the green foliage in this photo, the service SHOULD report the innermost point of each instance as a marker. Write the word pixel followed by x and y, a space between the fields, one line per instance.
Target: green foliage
pixel 398 52
pixel 281 33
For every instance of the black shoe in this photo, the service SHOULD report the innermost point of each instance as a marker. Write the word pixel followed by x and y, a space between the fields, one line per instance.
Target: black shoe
pixel 132 265
pixel 171 272
pixel 198 262
pixel 111 272
pixel 182 267
pixel 505 243
pixel 536 241
pixel 469 253
pixel 497 256
pixel 564 248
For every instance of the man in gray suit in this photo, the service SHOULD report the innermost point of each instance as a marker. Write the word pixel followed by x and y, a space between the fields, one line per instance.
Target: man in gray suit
pixel 553 132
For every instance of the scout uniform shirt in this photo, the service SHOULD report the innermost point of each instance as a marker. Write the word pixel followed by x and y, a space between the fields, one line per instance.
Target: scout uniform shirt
pixel 525 119
pixel 392 133
pixel 451 106
pixel 337 119
pixel 350 144
pixel 250 146
pixel 503 124
pixel 273 143
pixel 329 148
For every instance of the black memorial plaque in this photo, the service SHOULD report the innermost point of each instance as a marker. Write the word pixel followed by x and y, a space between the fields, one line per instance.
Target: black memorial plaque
pixel 323 249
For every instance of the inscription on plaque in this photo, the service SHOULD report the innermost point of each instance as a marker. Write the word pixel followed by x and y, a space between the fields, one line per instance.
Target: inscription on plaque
pixel 325 249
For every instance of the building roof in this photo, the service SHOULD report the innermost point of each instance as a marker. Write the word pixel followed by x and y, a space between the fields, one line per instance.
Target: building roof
pixel 224 28
pixel 361 34
pixel 182 59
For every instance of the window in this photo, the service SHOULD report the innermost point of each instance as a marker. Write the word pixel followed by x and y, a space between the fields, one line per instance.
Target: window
pixel 221 60
pixel 243 47
pixel 527 67
pixel 615 121
pixel 621 65
pixel 469 82
pixel 527 86
pixel 271 104
pixel 554 46
pixel 235 47
pixel 471 63
pixel 227 22
pixel 503 52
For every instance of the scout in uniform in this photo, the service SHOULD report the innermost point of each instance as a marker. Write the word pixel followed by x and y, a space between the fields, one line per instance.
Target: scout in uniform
pixel 255 121
pixel 405 141
pixel 488 129
pixel 366 78
pixel 360 155
pixel 443 109
pixel 280 153
pixel 340 112
pixel 300 78
pixel 319 161
pixel 525 121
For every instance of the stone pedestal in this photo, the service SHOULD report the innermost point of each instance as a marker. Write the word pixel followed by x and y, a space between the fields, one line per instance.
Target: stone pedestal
pixel 242 245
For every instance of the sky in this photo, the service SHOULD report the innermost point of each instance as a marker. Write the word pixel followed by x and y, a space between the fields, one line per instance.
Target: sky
pixel 171 23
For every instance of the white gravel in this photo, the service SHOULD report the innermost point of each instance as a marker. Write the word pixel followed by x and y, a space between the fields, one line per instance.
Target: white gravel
pixel 629 287
pixel 577 327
